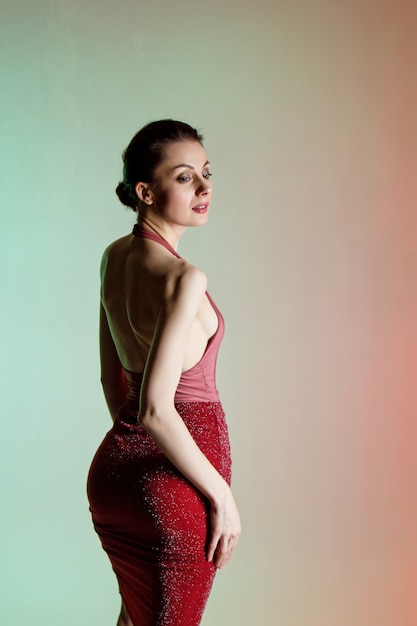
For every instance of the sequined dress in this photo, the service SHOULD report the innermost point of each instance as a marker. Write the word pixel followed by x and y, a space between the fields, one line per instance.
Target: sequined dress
pixel 152 522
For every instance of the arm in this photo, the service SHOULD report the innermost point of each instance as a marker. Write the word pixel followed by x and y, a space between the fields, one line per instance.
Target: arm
pixel 112 376
pixel 158 415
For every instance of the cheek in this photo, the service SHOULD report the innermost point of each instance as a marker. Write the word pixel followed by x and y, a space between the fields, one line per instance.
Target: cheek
pixel 178 197
pixel 161 198
pixel 172 199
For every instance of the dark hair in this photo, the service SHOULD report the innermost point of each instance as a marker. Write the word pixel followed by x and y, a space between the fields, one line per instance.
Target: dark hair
pixel 145 152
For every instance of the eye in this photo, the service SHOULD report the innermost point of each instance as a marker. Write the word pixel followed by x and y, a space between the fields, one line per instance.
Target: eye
pixel 207 175
pixel 184 178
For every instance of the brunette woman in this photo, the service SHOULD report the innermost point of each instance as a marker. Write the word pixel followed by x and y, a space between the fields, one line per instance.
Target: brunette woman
pixel 159 484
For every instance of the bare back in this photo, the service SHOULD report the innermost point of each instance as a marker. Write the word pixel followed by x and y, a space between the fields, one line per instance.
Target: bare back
pixel 139 276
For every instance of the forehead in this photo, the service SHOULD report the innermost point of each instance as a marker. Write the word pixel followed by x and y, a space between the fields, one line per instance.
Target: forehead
pixel 183 152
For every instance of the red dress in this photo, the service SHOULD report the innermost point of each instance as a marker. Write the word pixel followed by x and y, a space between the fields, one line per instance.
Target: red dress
pixel 152 522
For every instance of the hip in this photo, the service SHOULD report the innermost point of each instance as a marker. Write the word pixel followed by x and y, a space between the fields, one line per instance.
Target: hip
pixel 128 443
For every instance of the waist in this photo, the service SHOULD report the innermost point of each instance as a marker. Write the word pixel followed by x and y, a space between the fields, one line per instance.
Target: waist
pixel 194 386
pixel 195 414
pixel 197 385
pixel 192 393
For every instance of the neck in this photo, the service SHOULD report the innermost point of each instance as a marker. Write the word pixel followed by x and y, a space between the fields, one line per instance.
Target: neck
pixel 170 232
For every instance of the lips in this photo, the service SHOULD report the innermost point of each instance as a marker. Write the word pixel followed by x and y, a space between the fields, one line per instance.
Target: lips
pixel 201 208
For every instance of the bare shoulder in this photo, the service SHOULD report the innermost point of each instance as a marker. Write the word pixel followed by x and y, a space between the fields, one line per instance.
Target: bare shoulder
pixel 186 285
pixel 193 278
pixel 113 250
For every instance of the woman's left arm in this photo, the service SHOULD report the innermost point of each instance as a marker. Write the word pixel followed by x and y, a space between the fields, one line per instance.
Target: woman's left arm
pixel 112 375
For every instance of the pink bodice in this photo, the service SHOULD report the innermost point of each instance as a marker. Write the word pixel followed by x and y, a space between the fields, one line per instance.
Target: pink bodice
pixel 197 384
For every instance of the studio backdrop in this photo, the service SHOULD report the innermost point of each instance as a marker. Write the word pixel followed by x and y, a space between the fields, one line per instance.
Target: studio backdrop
pixel 308 112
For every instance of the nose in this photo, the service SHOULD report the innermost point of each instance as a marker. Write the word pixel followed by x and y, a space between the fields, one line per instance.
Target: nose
pixel 203 187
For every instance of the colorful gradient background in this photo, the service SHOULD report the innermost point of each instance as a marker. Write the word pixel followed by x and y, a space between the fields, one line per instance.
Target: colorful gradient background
pixel 309 111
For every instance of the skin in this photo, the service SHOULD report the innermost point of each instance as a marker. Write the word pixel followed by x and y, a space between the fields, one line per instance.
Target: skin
pixel 155 318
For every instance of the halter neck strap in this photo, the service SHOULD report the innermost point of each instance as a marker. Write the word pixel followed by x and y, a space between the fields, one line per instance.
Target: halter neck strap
pixel 139 231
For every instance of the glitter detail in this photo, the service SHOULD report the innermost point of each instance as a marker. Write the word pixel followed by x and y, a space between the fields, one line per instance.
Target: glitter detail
pixel 152 522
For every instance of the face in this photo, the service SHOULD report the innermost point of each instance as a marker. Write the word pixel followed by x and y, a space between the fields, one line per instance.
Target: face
pixel 181 191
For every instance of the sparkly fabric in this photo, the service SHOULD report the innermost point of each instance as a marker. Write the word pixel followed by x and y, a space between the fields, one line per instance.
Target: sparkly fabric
pixel 153 524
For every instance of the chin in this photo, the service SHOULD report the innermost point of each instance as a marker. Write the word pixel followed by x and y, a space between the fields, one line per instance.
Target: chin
pixel 202 219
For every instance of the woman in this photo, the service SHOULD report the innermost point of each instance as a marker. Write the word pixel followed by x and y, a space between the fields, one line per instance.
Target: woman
pixel 159 483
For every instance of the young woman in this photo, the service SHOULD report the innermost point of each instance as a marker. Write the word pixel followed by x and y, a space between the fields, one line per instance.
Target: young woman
pixel 159 484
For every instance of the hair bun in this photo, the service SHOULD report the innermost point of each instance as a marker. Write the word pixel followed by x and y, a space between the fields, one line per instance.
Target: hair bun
pixel 145 152
pixel 126 196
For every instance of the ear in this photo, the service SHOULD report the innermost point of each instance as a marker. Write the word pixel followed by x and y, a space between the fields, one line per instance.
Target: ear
pixel 144 193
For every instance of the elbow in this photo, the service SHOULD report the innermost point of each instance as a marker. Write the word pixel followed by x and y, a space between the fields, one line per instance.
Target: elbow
pixel 152 418
pixel 145 418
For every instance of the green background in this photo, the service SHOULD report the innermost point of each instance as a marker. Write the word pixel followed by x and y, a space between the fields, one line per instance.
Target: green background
pixel 309 114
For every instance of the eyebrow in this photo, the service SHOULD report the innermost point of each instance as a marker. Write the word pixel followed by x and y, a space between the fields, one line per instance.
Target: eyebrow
pixel 188 165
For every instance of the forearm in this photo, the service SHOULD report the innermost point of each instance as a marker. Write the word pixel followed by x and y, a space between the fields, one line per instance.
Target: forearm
pixel 173 437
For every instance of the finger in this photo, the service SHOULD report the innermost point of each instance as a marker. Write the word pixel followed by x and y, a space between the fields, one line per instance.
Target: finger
pixel 223 557
pixel 221 552
pixel 214 540
pixel 233 543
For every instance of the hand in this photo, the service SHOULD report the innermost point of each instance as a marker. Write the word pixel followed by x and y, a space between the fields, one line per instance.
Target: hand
pixel 225 530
